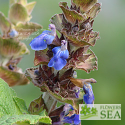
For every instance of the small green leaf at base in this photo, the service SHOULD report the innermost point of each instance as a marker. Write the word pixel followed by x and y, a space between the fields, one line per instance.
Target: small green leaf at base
pixel 26 118
pixel 9 103
pixel 13 110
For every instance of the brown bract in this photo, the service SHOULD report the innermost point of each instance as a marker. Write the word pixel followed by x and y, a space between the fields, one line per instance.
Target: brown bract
pixel 60 87
pixel 83 58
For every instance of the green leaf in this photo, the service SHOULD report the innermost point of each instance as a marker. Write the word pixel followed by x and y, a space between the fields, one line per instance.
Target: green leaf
pixel 18 13
pixel 71 15
pixel 26 29
pixel 36 107
pixel 57 21
pixel 26 118
pixel 7 103
pixel 13 77
pixel 11 48
pixel 5 25
pixel 20 104
pixel 30 7
pixel 84 5
pixel 12 108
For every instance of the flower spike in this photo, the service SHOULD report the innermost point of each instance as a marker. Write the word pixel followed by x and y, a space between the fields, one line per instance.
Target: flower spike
pixel 44 39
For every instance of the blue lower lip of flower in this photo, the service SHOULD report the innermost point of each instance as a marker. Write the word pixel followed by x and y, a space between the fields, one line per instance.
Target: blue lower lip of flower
pixel 63 54
pixel 37 44
pixel 73 119
pixel 88 99
pixel 41 41
pixel 58 64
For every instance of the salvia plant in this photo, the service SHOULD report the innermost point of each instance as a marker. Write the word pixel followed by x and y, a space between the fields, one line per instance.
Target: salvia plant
pixel 57 57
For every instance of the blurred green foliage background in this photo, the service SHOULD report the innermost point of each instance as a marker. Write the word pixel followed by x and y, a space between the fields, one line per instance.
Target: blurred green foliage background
pixel 110 50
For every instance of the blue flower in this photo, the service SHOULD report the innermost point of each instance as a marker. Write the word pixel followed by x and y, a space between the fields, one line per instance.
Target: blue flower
pixel 88 96
pixel 44 39
pixel 74 119
pixel 60 54
pixel 13 33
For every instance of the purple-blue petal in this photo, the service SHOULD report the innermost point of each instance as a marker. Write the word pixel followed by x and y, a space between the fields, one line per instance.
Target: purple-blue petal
pixel 41 41
pixel 51 63
pixel 73 119
pixel 88 96
pixel 67 120
pixel 88 99
pixel 76 119
pixel 47 32
pixel 87 88
pixel 38 43
pixel 64 54
pixel 13 33
pixel 56 49
pixel 49 39
pixel 59 63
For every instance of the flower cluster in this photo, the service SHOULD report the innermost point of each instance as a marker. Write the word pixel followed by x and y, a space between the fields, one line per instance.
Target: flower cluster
pixel 60 57
pixel 60 53
pixel 67 115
